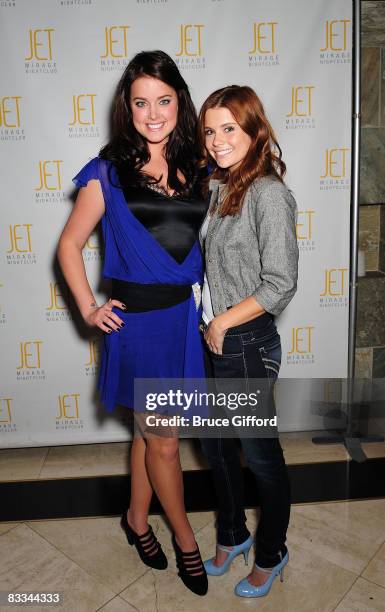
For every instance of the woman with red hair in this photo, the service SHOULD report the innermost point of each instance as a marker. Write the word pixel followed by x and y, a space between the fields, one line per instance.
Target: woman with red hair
pixel 251 255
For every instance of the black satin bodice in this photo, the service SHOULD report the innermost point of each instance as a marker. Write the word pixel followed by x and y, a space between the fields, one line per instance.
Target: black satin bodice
pixel 172 220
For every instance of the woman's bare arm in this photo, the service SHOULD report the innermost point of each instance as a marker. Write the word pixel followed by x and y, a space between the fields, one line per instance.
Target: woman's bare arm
pixel 86 214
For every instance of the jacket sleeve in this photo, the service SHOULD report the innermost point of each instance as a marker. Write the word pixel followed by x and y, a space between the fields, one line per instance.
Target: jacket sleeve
pixel 276 214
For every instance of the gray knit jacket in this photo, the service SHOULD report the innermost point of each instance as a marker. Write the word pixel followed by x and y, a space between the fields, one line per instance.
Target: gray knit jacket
pixel 255 252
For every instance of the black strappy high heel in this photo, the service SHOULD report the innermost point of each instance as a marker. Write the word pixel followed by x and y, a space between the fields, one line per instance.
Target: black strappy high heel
pixel 148 547
pixel 191 569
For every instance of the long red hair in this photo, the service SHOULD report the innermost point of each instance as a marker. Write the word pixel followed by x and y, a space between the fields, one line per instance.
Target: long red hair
pixel 264 155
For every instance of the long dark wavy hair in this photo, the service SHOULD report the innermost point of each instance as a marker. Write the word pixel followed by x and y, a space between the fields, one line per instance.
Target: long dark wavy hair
pixel 264 156
pixel 128 150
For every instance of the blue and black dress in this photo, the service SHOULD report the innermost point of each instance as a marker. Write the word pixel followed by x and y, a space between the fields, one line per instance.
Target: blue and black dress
pixel 153 257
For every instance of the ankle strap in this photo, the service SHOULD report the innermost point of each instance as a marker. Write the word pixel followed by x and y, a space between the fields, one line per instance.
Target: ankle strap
pixel 148 533
pixel 268 570
pixel 193 553
pixel 224 548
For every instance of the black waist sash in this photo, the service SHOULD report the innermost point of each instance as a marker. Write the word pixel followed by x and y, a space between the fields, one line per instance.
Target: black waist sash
pixel 138 297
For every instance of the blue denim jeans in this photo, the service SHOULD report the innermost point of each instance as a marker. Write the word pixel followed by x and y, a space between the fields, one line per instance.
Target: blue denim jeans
pixel 255 353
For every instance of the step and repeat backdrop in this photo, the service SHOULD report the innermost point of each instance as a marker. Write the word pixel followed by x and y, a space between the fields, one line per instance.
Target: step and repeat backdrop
pixel 61 61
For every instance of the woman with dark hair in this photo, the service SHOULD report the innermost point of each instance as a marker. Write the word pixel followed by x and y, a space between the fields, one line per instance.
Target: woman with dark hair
pixel 251 274
pixel 145 188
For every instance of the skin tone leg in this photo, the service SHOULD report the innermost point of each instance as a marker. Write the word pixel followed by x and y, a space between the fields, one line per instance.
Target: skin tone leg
pixel 165 473
pixel 141 489
pixel 155 465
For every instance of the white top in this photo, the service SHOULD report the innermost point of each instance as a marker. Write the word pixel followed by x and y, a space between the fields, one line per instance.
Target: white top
pixel 207 314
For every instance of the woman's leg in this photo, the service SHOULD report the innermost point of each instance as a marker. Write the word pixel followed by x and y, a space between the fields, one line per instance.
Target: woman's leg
pixel 155 465
pixel 141 489
pixel 265 459
pixel 223 457
pixel 264 456
pixel 165 473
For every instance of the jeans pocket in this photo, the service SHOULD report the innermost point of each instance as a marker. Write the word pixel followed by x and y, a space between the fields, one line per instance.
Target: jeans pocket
pixel 228 365
pixel 271 357
pixel 230 375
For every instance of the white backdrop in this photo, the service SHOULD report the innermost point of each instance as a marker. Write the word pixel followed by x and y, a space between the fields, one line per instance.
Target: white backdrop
pixel 61 60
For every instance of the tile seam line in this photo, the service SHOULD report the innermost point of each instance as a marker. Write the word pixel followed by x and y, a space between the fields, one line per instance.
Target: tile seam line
pixel 346 592
pixel 129 585
pixel 381 586
pixel 76 562
pixel 203 526
pixel 69 558
pixel 370 560
pixel 11 528
pixel 112 598
pixel 43 462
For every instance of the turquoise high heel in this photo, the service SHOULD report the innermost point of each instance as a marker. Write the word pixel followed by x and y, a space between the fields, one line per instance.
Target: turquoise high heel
pixel 244 548
pixel 245 589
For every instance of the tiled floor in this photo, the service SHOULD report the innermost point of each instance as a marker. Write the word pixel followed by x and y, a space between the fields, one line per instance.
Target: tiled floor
pixel 337 562
pixel 337 550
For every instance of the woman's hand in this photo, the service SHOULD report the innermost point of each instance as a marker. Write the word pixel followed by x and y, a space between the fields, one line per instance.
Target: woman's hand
pixel 214 336
pixel 104 318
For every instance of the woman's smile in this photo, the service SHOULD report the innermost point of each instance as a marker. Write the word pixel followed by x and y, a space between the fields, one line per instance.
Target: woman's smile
pixel 154 107
pixel 225 140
